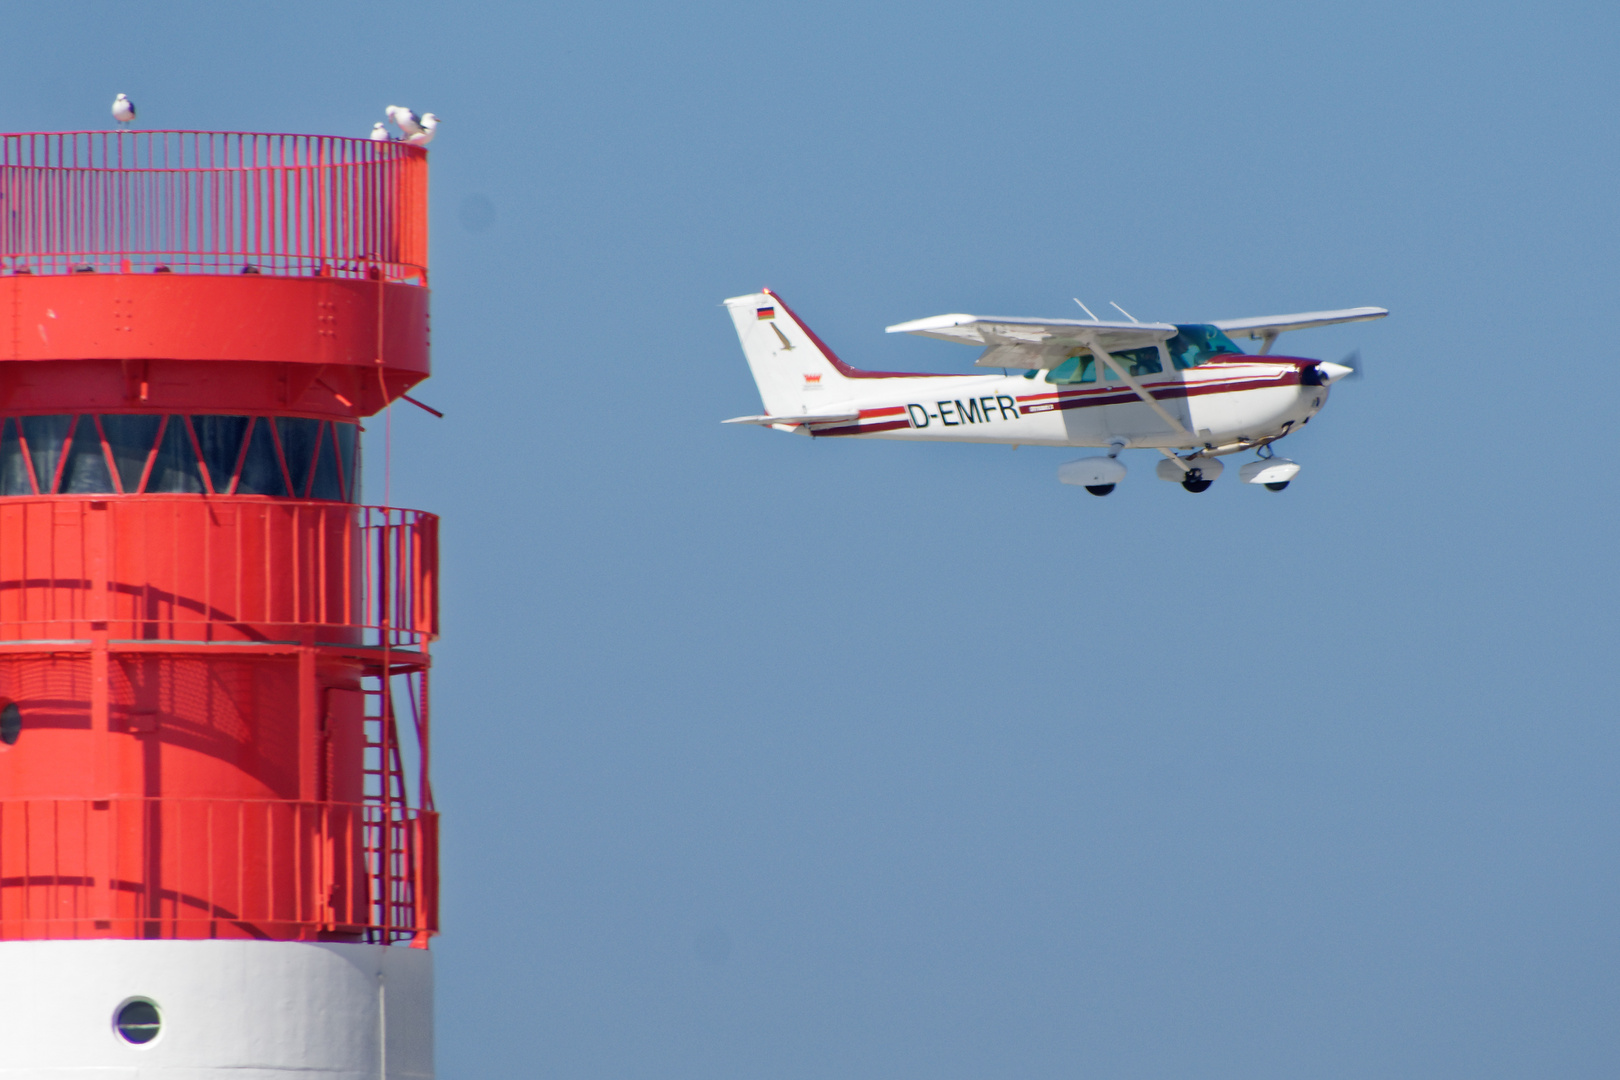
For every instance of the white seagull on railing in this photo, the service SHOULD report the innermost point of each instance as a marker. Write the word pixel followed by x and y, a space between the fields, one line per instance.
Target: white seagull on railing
pixel 123 110
pixel 379 133
pixel 430 125
pixel 408 122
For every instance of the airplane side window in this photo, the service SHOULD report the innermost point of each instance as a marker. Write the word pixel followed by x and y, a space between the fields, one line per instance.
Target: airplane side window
pixel 1135 362
pixel 1076 369
pixel 1182 354
pixel 1142 361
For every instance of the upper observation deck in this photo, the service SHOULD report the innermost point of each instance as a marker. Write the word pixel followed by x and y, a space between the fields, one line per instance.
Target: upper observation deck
pixel 209 202
pixel 297 260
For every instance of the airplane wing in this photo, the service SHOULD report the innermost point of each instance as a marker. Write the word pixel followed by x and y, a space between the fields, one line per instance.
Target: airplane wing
pixel 1272 325
pixel 1017 342
pixel 791 420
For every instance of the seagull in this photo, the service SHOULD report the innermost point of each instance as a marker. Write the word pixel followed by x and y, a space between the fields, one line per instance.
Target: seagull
pixel 430 127
pixel 379 133
pixel 408 122
pixel 123 110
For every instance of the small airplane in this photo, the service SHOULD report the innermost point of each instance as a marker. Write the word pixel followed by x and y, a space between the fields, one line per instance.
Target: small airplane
pixel 1184 389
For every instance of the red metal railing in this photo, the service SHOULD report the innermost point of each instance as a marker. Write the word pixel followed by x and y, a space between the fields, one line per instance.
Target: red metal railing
pixel 195 568
pixel 206 868
pixel 212 203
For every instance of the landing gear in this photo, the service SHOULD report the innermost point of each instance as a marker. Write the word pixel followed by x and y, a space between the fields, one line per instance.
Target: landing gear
pixel 1195 473
pixel 1271 471
pixel 1097 475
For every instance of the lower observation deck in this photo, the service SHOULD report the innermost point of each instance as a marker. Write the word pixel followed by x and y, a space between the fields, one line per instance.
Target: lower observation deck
pixel 172 571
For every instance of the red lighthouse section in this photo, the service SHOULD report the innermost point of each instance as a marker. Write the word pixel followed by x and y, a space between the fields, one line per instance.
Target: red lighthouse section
pixel 213 655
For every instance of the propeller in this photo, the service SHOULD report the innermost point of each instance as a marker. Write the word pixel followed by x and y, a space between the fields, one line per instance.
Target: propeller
pixel 1353 362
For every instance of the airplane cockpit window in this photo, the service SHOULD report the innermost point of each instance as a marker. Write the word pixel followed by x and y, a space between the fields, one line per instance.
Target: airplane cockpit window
pixel 1198 342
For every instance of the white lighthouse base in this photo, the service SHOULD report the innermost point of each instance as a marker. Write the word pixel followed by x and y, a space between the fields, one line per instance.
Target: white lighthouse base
pixel 247 1010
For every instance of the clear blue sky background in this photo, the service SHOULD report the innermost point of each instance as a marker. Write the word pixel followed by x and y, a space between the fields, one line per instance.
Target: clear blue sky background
pixel 768 758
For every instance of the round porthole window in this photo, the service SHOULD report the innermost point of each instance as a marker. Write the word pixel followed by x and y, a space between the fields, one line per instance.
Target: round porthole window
pixel 10 723
pixel 138 1021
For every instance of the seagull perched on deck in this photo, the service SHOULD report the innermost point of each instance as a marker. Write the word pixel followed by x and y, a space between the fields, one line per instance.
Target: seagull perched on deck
pixel 408 122
pixel 430 125
pixel 123 109
pixel 379 133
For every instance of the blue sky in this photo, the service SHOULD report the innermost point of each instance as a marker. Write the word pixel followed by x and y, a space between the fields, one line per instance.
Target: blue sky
pixel 764 757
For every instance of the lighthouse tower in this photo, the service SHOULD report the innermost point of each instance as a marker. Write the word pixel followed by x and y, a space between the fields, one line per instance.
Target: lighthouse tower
pixel 218 850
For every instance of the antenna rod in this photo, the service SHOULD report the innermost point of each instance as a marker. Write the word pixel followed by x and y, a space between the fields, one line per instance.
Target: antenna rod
pixel 1122 311
pixel 1085 309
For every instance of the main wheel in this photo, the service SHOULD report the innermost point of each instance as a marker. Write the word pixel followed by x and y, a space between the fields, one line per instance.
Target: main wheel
pixel 1099 489
pixel 1197 485
pixel 1277 486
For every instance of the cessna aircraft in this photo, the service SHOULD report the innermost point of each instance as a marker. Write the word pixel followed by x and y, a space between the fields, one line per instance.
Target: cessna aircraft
pixel 1084 382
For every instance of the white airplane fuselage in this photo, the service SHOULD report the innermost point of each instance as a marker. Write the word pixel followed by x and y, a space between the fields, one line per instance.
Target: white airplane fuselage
pixel 1227 402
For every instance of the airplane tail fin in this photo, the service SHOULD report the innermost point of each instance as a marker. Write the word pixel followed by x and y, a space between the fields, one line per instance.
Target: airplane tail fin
pixel 796 374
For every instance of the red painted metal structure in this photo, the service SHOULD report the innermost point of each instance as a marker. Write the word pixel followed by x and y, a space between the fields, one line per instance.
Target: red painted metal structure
pixel 213 658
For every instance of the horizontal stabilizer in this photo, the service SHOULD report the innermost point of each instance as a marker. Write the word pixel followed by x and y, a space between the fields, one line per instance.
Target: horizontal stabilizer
pixel 1272 325
pixel 811 418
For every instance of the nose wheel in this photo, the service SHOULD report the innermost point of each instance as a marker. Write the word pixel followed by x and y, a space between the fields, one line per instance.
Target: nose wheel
pixel 1195 472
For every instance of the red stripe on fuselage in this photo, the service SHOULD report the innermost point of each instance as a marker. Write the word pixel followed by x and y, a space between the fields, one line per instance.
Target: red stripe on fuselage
pixel 862 429
pixel 1077 399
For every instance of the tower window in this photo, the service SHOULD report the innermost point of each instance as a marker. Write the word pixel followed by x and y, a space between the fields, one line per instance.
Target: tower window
pixel 138 1021
pixel 132 453
pixel 10 723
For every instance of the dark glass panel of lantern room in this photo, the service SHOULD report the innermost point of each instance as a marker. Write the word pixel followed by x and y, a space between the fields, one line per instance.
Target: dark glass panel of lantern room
pixel 261 468
pixel 298 437
pixel 176 466
pixel 348 444
pixel 13 469
pixel 220 439
pixel 130 439
pixel 325 485
pixel 86 471
pixel 45 436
